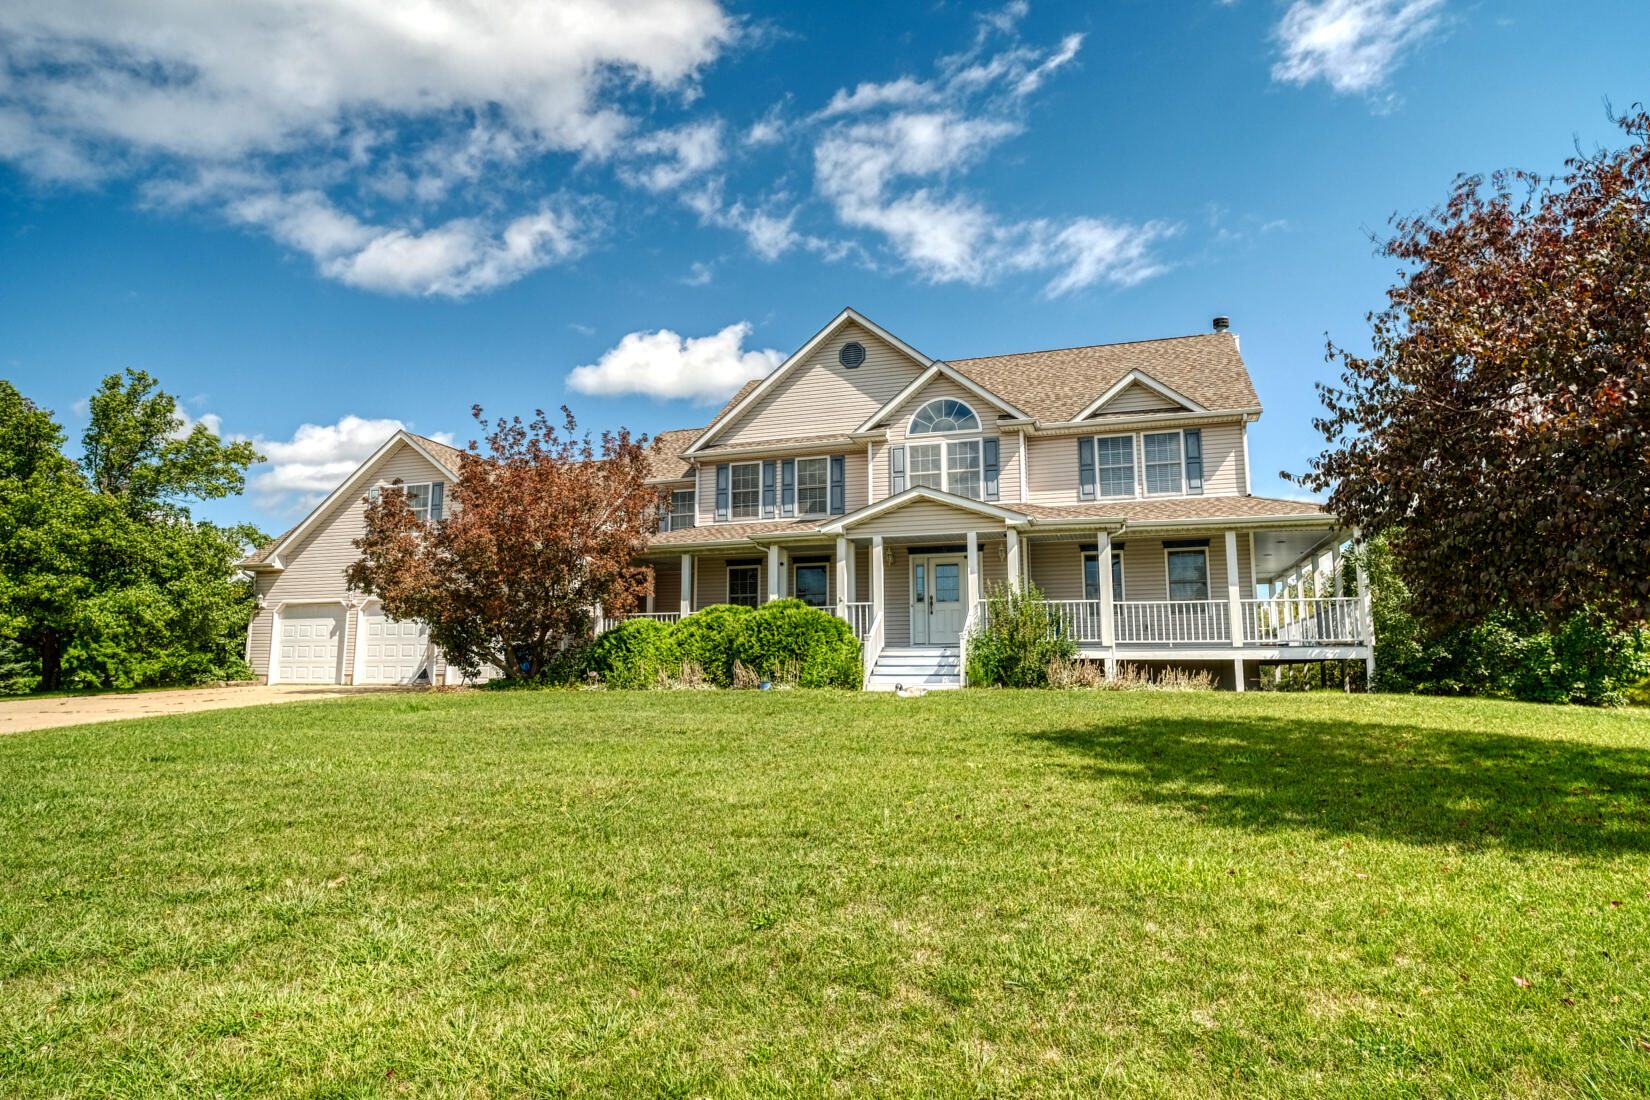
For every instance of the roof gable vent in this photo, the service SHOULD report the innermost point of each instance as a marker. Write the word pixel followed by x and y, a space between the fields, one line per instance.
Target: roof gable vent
pixel 852 354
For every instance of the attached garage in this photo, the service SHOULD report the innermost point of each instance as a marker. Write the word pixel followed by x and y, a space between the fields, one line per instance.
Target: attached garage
pixel 311 643
pixel 392 652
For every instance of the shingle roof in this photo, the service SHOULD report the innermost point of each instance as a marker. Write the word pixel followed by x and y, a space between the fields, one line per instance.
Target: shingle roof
pixel 664 454
pixel 261 554
pixel 733 532
pixel 1175 508
pixel 1057 385
pixel 446 454
pixel 787 441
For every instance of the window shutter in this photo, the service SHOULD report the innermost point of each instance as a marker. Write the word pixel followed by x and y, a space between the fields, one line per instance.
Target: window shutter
pixel 722 493
pixel 1194 460
pixel 437 492
pixel 768 502
pixel 839 499
pixel 991 462
pixel 896 470
pixel 787 487
pixel 1085 468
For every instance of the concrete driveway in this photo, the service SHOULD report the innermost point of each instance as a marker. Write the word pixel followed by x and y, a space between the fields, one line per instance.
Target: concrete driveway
pixel 17 715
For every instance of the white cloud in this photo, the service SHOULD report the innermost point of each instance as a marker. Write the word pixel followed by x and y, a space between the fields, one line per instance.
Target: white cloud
pixel 302 470
pixel 1353 45
pixel 293 117
pixel 664 366
pixel 677 155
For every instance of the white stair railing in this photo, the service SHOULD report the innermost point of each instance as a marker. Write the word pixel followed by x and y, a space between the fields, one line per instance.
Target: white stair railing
pixel 976 614
pixel 871 646
pixel 857 616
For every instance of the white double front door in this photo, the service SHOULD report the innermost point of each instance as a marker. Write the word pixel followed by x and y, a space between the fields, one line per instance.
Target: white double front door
pixel 938 598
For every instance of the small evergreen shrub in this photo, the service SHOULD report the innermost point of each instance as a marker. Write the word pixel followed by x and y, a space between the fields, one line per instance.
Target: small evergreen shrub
pixel 705 638
pixel 1018 640
pixel 783 633
pixel 633 654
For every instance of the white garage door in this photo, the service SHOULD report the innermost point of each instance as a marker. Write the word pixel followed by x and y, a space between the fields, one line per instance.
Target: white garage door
pixel 393 653
pixel 310 637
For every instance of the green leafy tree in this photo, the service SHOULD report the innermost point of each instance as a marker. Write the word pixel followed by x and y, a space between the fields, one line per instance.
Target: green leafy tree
pixel 105 579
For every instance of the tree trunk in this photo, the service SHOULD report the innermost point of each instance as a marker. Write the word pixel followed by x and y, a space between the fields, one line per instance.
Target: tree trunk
pixel 51 662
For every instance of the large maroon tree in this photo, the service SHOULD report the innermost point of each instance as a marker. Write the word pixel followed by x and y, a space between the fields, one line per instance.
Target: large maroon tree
pixel 1501 426
pixel 538 532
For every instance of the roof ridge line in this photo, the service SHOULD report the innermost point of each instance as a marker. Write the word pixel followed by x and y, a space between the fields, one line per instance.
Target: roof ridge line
pixel 1084 347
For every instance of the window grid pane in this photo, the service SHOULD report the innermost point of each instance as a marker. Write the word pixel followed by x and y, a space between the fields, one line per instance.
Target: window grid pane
pixel 924 466
pixel 1115 459
pixel 813 486
pixel 681 509
pixel 964 462
pixel 1163 463
pixel 418 500
pixel 746 482
pixel 947 584
pixel 1188 575
pixel 944 415
pixel 810 585
pixel 742 585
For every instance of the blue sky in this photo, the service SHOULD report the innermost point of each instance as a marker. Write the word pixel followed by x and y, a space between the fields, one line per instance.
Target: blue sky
pixel 315 219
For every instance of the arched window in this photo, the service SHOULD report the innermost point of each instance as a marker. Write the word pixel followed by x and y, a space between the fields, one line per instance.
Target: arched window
pixel 944 415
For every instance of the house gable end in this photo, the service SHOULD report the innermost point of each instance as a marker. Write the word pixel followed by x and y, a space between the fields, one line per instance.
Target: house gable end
pixel 815 392
pixel 1139 392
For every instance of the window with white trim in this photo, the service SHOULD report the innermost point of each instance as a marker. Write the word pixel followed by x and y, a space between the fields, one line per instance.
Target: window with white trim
pixel 1114 462
pixel 945 414
pixel 744 584
pixel 682 503
pixel 425 499
pixel 951 466
pixel 745 490
pixel 1188 574
pixel 813 486
pixel 1163 464
pixel 925 465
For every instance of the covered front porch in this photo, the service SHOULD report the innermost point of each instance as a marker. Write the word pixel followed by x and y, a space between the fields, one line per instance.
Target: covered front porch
pixel 914 574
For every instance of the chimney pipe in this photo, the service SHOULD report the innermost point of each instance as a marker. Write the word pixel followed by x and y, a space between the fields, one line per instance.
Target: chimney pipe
pixel 1222 324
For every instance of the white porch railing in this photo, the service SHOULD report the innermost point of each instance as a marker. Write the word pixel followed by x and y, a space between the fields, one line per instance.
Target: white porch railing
pixel 1078 620
pixel 1302 620
pixel 857 616
pixel 1171 621
pixel 608 622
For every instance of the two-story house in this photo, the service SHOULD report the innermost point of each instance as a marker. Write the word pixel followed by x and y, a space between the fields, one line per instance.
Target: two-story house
pixel 891 488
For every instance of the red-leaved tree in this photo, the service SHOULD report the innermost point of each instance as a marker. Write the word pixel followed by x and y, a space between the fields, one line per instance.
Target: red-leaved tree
pixel 539 531
pixel 1501 428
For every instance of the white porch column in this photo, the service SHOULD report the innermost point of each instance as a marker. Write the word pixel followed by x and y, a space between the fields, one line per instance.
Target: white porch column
pixel 1234 598
pixel 1102 543
pixel 687 585
pixel 1365 613
pixel 973 572
pixel 843 553
pixel 1013 559
pixel 773 573
pixel 878 580
pixel 1025 492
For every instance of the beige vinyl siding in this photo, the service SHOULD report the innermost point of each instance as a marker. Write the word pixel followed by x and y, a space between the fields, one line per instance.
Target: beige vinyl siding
pixel 922 518
pixel 1057 567
pixel 1137 398
pixel 821 396
pixel 1052 463
pixel 853 474
pixel 667 586
pixel 258 637
pixel 315 567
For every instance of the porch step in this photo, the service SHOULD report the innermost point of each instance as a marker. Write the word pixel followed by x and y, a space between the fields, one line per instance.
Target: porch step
pixel 933 667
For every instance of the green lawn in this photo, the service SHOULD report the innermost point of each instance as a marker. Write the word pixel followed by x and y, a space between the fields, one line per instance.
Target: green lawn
pixel 799 894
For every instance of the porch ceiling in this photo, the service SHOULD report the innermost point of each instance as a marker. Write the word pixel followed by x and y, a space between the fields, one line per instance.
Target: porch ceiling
pixel 1276 551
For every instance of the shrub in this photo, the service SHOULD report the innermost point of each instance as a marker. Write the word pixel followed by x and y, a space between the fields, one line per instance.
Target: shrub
pixel 633 654
pixel 778 635
pixel 1017 641
pixel 1582 661
pixel 705 638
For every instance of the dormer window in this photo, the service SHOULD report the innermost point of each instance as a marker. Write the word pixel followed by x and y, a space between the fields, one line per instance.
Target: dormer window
pixel 944 415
